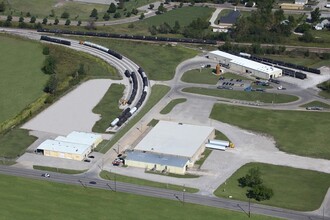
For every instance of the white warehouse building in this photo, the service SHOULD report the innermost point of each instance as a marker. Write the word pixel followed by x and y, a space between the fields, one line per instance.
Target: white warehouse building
pixel 170 147
pixel 243 65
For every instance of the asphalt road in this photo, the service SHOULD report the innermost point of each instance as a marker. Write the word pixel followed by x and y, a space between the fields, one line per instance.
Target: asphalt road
pixel 181 197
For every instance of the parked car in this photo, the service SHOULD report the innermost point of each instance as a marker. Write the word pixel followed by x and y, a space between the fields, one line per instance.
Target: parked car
pixel 116 162
pixel 86 160
pixel 92 182
pixel 45 175
pixel 314 108
pixel 91 156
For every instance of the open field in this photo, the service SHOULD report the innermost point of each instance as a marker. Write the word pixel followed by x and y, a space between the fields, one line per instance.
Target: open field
pixel 312 61
pixel 150 56
pixel 293 188
pixel 127 179
pixel 58 170
pixel 325 94
pixel 20 84
pixel 205 76
pixel 298 132
pixel 234 76
pixel 168 108
pixel 242 95
pixel 61 201
pixel 77 10
pixel 14 142
pixel 157 92
pixel 108 107
pixel 316 103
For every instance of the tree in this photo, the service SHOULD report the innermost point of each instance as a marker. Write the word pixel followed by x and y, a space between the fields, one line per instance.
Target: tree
pixel 307 37
pixel 56 21
pixel 21 19
pixel 67 22
pixel 49 65
pixel 112 8
pixel 161 9
pixel 45 51
pixel 141 16
pixel 181 5
pixel 251 179
pixel 315 15
pixel 28 14
pixel 151 6
pixel 94 13
pixel 176 27
pixel 33 19
pixel 128 14
pixel 134 11
pixel 260 192
pixel 65 15
pixel 9 18
pixel 79 23
pixel 117 15
pixel 44 21
pixel 51 84
pixel 2 6
pixel 106 17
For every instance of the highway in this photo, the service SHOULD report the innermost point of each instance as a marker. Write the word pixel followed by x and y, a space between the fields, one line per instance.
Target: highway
pixel 181 197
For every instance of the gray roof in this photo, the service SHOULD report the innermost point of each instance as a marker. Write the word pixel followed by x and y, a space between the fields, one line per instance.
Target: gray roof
pixel 165 160
pixel 231 18
pixel 174 138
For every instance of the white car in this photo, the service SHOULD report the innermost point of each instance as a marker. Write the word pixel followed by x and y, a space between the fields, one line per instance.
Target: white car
pixel 46 175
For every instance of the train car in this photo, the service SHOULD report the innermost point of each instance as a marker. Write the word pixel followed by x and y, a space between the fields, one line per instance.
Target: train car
pixel 55 40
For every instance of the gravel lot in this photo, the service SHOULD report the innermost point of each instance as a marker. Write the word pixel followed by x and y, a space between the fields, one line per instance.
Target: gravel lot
pixel 73 112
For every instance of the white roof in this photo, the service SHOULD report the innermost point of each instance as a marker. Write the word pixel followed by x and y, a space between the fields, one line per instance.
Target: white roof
pixel 174 138
pixel 81 137
pixel 63 147
pixel 246 62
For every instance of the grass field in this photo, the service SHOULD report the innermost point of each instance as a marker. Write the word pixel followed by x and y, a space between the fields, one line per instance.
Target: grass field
pixel 108 107
pixel 220 136
pixel 234 76
pixel 14 142
pixel 205 76
pixel 60 201
pixel 157 93
pixel 168 108
pixel 127 179
pixel 316 103
pixel 325 94
pixel 58 170
pixel 242 95
pixel 293 188
pixel 77 10
pixel 158 60
pixel 22 80
pixel 297 132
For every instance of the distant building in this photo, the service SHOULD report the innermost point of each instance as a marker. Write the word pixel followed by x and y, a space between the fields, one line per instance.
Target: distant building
pixel 301 2
pixel 244 65
pixel 289 6
pixel 170 147
pixel 322 25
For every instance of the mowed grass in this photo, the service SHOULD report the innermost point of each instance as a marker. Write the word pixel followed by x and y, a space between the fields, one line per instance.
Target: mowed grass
pixel 127 179
pixel 157 59
pixel 316 103
pixel 157 93
pixel 234 76
pixel 298 132
pixel 203 76
pixel 108 107
pixel 296 189
pixel 243 95
pixel 60 201
pixel 325 94
pixel 58 170
pixel 14 142
pixel 168 108
pixel 22 80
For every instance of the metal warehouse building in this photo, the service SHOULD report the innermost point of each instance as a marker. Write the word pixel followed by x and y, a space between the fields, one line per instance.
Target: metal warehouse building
pixel 75 146
pixel 244 65
pixel 170 147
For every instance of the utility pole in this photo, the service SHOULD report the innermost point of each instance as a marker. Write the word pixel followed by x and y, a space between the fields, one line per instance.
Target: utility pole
pixel 249 207
pixel 115 184
pixel 183 192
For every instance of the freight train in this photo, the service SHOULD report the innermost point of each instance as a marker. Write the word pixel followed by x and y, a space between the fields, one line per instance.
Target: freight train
pixel 55 40
pixel 104 49
pixel 126 36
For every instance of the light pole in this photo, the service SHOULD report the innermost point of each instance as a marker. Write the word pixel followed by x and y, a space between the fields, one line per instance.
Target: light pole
pixel 183 192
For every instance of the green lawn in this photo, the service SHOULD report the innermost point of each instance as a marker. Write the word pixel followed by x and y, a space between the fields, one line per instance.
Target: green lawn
pixel 205 76
pixel 296 189
pixel 325 94
pixel 22 80
pixel 14 142
pixel 220 136
pixel 204 155
pixel 127 179
pixel 52 201
pixel 153 122
pixel 316 103
pixel 108 107
pixel 157 93
pixel 242 95
pixel 298 132
pixel 58 170
pixel 158 60
pixel 234 76
pixel 168 108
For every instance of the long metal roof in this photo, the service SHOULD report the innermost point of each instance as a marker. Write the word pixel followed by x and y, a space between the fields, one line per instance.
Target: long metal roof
pixel 165 160
pixel 80 137
pixel 172 138
pixel 63 147
pixel 246 62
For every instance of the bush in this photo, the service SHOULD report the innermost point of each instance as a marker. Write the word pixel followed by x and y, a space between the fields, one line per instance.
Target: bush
pixel 117 15
pixel 65 15
pixel 260 193
pixel 33 19
pixel 56 21
pixel 112 8
pixel 45 51
pixel 67 22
